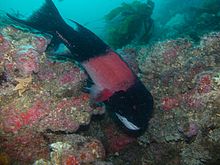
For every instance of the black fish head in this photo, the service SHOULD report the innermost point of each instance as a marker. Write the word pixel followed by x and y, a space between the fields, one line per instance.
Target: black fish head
pixel 132 108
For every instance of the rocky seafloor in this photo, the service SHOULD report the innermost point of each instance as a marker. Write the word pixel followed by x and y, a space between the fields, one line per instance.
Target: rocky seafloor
pixel 45 118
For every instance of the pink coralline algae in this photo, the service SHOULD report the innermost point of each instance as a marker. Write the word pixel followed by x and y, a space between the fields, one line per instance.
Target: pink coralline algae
pixel 13 119
pixel 62 75
pixel 169 55
pixel 117 141
pixel 69 77
pixel 19 53
pixel 40 43
pixel 37 95
pixel 28 61
pixel 205 84
pixel 25 147
pixel 11 123
pixel 192 100
pixel 169 103
pixel 68 115
pixel 181 75
pixel 184 78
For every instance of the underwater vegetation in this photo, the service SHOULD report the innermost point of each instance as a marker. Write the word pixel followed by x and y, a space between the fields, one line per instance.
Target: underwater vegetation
pixel 129 22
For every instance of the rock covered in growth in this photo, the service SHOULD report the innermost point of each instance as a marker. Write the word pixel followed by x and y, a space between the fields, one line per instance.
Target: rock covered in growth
pixel 184 80
pixel 21 52
pixel 24 147
pixel 116 140
pixel 74 150
pixel 129 55
pixel 37 95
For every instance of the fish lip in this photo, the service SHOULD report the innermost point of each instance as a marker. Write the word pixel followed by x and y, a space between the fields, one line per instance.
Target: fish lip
pixel 127 123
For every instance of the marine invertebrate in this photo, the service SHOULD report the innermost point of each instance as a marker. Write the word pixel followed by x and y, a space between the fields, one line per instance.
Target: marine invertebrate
pixel 19 53
pixel 22 85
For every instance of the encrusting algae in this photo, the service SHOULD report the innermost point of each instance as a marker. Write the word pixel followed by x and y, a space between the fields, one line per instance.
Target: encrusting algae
pixel 49 98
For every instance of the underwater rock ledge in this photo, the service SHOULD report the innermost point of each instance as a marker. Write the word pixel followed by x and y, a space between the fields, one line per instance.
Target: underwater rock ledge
pixel 184 80
pixel 37 95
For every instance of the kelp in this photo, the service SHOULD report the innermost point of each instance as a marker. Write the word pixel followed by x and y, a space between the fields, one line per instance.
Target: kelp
pixel 129 22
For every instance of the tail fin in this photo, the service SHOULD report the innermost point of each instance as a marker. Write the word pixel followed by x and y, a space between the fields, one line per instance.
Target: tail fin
pixel 46 19
pixel 81 42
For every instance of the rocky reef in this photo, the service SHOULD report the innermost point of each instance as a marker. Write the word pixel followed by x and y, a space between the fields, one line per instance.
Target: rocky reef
pixel 73 150
pixel 183 77
pixel 43 108
pixel 184 80
pixel 37 96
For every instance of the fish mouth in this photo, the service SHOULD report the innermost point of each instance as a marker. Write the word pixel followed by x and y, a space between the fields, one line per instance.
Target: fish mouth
pixel 127 123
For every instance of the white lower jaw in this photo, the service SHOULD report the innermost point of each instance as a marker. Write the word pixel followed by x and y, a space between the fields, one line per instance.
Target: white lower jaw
pixel 127 123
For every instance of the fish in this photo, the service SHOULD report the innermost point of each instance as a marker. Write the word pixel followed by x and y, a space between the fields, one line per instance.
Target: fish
pixel 115 84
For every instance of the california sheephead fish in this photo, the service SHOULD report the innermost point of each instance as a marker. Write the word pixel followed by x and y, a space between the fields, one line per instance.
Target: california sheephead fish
pixel 123 94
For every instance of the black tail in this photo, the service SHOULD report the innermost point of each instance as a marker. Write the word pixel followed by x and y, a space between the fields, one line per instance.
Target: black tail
pixel 81 42
pixel 47 19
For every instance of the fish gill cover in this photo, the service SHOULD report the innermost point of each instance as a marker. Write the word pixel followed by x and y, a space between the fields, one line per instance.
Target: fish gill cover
pixel 42 104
